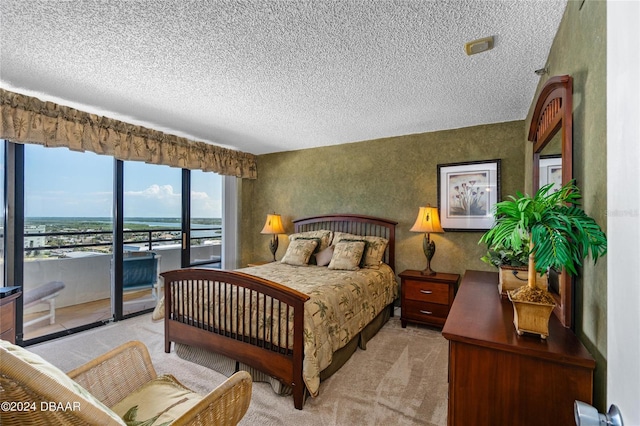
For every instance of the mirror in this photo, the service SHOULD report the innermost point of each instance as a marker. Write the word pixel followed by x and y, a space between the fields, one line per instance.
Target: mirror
pixel 551 132
pixel 550 163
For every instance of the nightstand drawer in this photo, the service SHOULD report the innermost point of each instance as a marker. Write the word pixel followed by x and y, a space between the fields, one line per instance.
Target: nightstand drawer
pixel 427 291
pixel 425 312
pixel 426 299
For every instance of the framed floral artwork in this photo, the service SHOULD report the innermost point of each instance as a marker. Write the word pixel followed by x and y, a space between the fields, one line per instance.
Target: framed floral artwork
pixel 467 193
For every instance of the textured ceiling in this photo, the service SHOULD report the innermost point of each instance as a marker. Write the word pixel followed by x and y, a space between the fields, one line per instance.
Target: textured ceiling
pixel 267 76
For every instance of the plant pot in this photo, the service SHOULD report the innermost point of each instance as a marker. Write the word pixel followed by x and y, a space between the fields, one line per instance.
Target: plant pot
pixel 531 317
pixel 513 277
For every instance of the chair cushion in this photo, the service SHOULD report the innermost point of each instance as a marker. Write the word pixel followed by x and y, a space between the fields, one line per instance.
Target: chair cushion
pixel 157 402
pixel 50 384
pixel 35 294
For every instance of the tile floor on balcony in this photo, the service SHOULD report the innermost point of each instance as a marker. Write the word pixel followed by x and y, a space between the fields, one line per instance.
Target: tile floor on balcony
pixel 86 313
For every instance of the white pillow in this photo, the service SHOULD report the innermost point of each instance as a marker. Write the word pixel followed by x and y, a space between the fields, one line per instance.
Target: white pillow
pixel 323 258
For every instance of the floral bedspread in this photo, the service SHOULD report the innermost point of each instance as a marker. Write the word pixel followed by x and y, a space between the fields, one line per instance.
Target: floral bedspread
pixel 341 304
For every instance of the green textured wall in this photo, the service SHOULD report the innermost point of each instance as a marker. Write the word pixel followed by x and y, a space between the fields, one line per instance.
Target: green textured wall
pixel 389 177
pixel 579 50
pixel 392 177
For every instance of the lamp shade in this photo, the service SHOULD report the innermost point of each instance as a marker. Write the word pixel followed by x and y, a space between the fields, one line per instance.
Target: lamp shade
pixel 427 221
pixel 273 225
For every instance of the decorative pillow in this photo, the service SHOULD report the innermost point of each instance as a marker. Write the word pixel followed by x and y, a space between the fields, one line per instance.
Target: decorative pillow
pixel 312 259
pixel 361 265
pixel 375 251
pixel 158 311
pixel 374 248
pixel 163 398
pixel 299 252
pixel 339 236
pixel 324 235
pixel 324 257
pixel 35 371
pixel 347 255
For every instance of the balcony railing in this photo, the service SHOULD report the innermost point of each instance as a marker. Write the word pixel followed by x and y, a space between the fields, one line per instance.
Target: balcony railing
pixel 62 240
pixel 88 279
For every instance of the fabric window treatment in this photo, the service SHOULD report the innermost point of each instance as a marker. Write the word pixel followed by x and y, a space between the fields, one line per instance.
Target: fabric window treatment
pixel 26 119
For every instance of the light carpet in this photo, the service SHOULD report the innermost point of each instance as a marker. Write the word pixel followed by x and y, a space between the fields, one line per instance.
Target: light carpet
pixel 401 378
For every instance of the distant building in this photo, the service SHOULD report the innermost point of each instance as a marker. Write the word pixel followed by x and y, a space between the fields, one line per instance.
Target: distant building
pixel 31 240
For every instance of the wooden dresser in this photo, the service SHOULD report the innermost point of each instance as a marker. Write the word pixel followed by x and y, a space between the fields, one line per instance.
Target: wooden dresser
pixel 8 317
pixel 499 378
pixel 426 299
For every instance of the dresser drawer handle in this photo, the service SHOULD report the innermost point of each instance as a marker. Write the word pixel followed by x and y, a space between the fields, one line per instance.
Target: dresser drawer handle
pixel 426 312
pixel 426 291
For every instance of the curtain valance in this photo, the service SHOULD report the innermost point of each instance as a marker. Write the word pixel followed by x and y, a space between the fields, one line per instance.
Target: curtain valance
pixel 27 119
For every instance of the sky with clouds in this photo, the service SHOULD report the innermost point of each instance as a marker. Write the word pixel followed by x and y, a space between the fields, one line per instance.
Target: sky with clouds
pixel 63 183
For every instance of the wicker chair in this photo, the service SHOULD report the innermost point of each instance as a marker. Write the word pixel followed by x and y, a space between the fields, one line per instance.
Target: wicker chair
pixel 41 394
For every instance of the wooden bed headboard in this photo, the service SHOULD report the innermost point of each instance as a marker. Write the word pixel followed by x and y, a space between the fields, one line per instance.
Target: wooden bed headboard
pixel 357 225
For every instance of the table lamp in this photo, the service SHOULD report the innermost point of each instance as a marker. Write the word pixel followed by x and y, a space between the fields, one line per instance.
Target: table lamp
pixel 428 221
pixel 273 226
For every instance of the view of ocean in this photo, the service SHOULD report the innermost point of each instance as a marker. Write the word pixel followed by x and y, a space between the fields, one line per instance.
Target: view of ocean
pixel 155 222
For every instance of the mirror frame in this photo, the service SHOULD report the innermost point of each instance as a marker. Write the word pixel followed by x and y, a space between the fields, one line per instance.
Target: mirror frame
pixel 554 112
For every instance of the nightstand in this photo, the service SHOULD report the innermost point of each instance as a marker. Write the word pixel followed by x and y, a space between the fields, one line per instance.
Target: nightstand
pixel 426 299
pixel 8 316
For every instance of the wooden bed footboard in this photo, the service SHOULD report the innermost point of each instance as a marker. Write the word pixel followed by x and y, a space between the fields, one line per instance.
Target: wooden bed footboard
pixel 220 311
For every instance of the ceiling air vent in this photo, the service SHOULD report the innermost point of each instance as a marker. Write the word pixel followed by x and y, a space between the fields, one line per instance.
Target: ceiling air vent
pixel 480 45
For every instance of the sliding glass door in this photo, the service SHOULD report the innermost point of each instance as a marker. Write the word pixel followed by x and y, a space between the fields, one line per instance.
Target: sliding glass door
pixel 204 213
pixel 152 231
pixel 172 219
pixel 67 232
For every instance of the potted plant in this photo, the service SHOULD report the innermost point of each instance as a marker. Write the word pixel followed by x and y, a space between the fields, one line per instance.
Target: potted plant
pixel 500 256
pixel 513 265
pixel 559 234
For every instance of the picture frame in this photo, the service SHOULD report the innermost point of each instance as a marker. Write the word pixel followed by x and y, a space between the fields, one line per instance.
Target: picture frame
pixel 550 171
pixel 467 193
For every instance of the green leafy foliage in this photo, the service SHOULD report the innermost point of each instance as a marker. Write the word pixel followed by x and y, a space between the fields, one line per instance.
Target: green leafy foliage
pixel 561 233
pixel 500 256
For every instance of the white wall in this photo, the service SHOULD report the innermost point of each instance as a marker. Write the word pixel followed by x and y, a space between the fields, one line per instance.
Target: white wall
pixel 89 278
pixel 623 208
pixel 86 278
